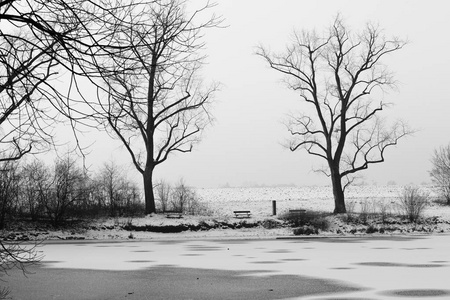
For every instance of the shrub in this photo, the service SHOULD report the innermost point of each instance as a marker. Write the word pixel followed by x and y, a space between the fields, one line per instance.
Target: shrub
pixel 372 229
pixel 310 218
pixel 384 209
pixel 270 223
pixel 305 230
pixel 350 205
pixel 350 215
pixel 180 198
pixel 366 211
pixel 198 207
pixel 412 203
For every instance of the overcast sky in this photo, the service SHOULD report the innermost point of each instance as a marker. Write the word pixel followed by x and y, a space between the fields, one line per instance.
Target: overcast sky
pixel 245 144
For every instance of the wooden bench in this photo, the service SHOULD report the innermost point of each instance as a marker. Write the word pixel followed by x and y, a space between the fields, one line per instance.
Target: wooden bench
pixel 297 212
pixel 242 213
pixel 173 214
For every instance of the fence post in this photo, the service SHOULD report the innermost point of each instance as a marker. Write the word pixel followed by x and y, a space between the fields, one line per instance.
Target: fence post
pixel 274 207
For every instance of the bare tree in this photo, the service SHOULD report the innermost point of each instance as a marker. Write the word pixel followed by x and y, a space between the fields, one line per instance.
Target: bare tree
pixel 110 178
pixel 64 189
pixel 152 99
pixel 183 198
pixel 339 76
pixel 34 182
pixel 440 173
pixel 163 192
pixel 115 190
pixel 9 190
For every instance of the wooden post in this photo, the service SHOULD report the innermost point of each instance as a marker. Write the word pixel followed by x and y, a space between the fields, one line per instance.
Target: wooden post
pixel 274 207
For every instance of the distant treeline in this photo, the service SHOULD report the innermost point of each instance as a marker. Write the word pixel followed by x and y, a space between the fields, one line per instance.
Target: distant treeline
pixel 37 191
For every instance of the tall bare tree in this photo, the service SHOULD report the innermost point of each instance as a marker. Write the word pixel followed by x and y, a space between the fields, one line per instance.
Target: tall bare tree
pixel 153 99
pixel 339 76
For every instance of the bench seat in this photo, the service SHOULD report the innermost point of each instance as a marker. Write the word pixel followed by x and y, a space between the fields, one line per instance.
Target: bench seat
pixel 173 214
pixel 242 213
pixel 297 211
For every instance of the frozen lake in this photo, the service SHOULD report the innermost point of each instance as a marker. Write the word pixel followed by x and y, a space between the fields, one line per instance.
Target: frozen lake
pixel 309 268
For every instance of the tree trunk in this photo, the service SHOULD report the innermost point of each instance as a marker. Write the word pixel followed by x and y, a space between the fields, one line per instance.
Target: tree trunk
pixel 150 206
pixel 338 192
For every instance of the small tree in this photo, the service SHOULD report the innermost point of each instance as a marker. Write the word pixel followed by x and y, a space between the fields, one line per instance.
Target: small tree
pixel 185 199
pixel 63 190
pixel 413 202
pixel 111 181
pixel 163 191
pixel 114 192
pixel 34 177
pixel 182 195
pixel 339 76
pixel 440 173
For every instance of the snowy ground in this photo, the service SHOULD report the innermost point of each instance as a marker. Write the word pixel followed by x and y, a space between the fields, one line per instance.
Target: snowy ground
pixel 222 202
pixel 259 200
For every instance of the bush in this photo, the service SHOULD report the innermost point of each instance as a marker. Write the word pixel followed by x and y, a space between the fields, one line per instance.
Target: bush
pixel 366 211
pixel 350 205
pixel 350 216
pixel 180 198
pixel 316 220
pixel 384 210
pixel 271 223
pixel 305 230
pixel 412 203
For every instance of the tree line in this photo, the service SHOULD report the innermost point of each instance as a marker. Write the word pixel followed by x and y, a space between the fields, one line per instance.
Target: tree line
pixel 37 191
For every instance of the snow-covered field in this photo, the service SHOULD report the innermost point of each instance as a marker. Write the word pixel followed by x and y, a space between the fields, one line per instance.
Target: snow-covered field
pixel 223 201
